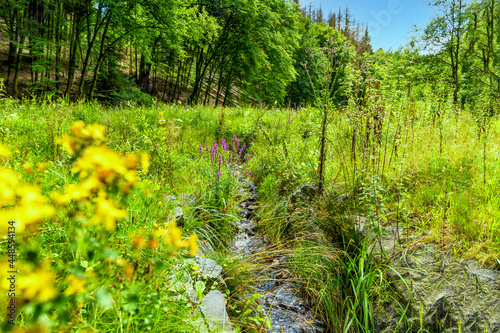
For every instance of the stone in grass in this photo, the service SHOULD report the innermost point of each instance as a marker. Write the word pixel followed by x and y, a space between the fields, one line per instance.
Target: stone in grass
pixel 187 199
pixel 213 309
pixel 209 269
pixel 303 193
pixel 178 216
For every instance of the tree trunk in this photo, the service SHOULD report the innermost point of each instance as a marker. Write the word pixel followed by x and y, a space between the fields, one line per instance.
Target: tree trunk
pixel 18 66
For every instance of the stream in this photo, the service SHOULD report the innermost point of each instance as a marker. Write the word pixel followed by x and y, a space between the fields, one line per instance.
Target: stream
pixel 286 311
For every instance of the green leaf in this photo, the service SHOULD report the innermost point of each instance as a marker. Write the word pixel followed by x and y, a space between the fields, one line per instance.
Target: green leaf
pixel 104 299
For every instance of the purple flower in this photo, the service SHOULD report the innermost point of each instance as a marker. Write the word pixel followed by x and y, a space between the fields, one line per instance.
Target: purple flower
pixel 220 160
pixel 250 173
pixel 206 148
pixel 230 158
pixel 234 138
pixel 279 125
pixel 201 149
pixel 248 157
pixel 238 146
pixel 288 123
pixel 236 175
pixel 218 174
pixel 243 148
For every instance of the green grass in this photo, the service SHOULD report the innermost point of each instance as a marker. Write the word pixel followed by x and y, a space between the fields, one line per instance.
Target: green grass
pixel 412 168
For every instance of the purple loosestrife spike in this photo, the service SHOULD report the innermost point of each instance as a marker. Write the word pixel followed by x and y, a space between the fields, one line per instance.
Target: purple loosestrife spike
pixel 230 158
pixel 238 146
pixel 236 175
pixel 250 173
pixel 288 123
pixel 279 125
pixel 206 148
pixel 243 148
pixel 201 149
pixel 220 160
pixel 218 175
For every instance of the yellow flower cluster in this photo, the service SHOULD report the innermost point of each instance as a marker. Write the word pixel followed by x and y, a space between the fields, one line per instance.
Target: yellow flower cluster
pixel 38 284
pixel 99 168
pixel 4 152
pixel 20 203
pixel 106 213
pixel 33 283
pixel 82 136
pixel 161 119
pixel 172 236
pixel 77 285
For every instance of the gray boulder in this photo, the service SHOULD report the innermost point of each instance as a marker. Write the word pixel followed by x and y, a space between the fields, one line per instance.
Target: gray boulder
pixel 213 309
pixel 209 269
pixel 303 193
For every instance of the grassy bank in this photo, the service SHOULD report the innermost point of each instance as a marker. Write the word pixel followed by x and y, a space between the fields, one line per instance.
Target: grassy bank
pixel 423 165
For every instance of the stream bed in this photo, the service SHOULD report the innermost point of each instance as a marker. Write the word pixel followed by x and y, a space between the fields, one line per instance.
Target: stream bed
pixel 286 311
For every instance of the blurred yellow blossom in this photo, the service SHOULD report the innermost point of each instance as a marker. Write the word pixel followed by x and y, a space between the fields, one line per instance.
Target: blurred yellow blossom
pixel 38 284
pixel 106 163
pixel 41 167
pixel 8 183
pixel 145 162
pixel 173 237
pixel 161 119
pixel 28 167
pixel 193 245
pixel 106 213
pixel 131 161
pixel 4 152
pixel 32 207
pixel 68 144
pixel 76 285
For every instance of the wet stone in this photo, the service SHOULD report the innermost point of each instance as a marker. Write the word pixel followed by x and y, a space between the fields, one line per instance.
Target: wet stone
pixel 213 308
pixel 209 269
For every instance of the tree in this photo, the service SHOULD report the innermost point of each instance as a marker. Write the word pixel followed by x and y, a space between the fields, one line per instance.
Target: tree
pixel 444 38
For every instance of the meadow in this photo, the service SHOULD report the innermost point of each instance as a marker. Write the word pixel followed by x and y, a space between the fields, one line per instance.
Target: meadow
pixel 97 247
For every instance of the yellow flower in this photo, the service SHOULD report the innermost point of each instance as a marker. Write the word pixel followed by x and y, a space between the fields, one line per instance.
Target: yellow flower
pixel 38 284
pixel 31 208
pixel 139 241
pixel 96 132
pixel 107 213
pixel 106 163
pixel 4 152
pixel 193 244
pixel 8 183
pixel 145 162
pixel 68 144
pixel 131 161
pixel 78 129
pixel 41 167
pixel 28 167
pixel 76 285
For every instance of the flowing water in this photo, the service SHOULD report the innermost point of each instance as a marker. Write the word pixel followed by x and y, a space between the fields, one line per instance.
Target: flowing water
pixel 283 306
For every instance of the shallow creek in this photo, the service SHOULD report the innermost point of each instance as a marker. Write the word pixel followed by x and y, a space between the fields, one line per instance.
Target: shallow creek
pixel 285 309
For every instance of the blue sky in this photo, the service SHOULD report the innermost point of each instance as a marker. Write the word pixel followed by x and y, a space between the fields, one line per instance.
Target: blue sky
pixel 390 21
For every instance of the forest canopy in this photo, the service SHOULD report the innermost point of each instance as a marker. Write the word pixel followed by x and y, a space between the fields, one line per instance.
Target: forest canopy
pixel 224 52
